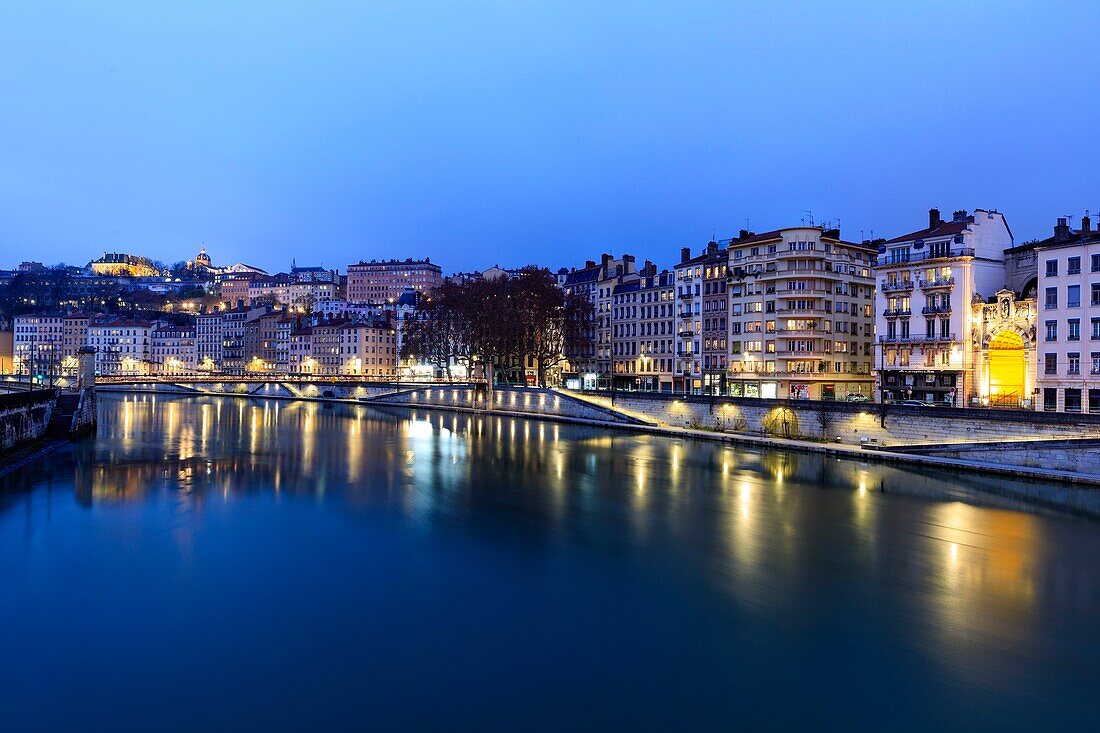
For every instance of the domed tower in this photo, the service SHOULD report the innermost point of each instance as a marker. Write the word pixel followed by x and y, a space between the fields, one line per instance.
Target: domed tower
pixel 202 259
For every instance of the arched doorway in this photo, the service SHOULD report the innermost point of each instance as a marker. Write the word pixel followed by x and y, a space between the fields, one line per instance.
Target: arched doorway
pixel 1007 369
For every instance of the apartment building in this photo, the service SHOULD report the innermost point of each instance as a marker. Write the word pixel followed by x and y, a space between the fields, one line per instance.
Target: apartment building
pixel 590 365
pixel 267 343
pixel 235 356
pixel 383 281
pixel 928 280
pixel 122 345
pixel 643 323
pixel 1068 378
pixel 74 337
pixel 38 344
pixel 581 370
pixel 342 347
pixel 801 322
pixel 701 318
pixel 209 340
pixel 614 273
pixel 172 349
pixel 300 350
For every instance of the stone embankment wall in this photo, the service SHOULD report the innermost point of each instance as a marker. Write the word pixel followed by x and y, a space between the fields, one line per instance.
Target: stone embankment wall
pixel 851 423
pixel 533 401
pixel 24 417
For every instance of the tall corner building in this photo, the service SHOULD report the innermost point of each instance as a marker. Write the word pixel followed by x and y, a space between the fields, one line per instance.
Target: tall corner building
pixel 801 302
pixel 924 321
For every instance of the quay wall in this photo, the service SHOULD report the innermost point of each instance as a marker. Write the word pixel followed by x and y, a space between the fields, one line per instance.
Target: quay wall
pixel 849 423
pixel 25 417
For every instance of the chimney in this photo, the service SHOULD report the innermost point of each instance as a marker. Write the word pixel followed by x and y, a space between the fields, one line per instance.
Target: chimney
pixel 685 254
pixel 589 264
pixel 240 302
pixel 649 269
pixel 959 215
pixel 1086 223
pixel 1061 230
pixel 831 233
pixel 605 260
pixel 744 234
pixel 712 248
pixel 933 218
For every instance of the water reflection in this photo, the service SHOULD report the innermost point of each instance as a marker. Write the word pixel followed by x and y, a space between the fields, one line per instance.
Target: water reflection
pixel 793 550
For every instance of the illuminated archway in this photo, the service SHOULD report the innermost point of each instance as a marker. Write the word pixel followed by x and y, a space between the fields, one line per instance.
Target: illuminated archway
pixel 1006 365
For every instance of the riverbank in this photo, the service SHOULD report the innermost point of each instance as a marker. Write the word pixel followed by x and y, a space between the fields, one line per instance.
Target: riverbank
pixel 1066 490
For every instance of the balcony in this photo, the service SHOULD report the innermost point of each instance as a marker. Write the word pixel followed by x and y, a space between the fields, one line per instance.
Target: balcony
pixel 895 312
pixel 802 332
pixel 803 311
pixel 918 339
pixel 686 333
pixel 939 282
pixel 921 256
pixel 896 287
pixel 685 296
pixel 807 293
pixel 685 316
pixel 933 310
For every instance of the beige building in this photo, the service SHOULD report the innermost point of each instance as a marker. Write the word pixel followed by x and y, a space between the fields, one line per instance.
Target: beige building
pixel 172 350
pixel 354 348
pixel 642 339
pixel 120 264
pixel 801 323
pixel 383 281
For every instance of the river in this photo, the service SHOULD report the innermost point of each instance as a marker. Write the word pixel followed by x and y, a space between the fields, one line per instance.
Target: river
pixel 216 563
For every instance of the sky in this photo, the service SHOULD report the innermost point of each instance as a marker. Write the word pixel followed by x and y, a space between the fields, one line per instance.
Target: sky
pixel 517 132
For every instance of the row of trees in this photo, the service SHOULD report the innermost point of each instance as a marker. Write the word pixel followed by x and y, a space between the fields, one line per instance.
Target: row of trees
pixel 496 327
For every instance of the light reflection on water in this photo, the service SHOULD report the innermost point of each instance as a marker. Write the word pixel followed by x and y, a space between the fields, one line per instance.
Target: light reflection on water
pixel 689 579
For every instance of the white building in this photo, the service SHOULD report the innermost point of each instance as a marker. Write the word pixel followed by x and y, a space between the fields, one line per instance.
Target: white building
pixel 927 281
pixel 123 346
pixel 1069 319
pixel 38 344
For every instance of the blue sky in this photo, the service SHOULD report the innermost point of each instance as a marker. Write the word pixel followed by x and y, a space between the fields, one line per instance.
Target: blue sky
pixel 511 132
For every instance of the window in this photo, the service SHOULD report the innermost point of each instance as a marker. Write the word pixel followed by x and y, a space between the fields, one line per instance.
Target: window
pixel 1094 400
pixel 1050 399
pixel 1052 330
pixel 1073 400
pixel 1050 363
pixel 1096 293
pixel 1073 296
pixel 1096 263
pixel 1052 298
pixel 1095 329
pixel 1052 268
pixel 1073 266
pixel 1074 363
pixel 1095 356
pixel 1074 331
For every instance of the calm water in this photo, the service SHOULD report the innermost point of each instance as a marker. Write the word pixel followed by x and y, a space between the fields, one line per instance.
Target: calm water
pixel 217 564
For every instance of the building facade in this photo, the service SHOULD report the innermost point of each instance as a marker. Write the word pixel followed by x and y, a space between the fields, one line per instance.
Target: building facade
pixel 383 281
pixel 801 321
pixel 1068 378
pixel 122 346
pixel 38 345
pixel 172 350
pixel 928 280
pixel 643 313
